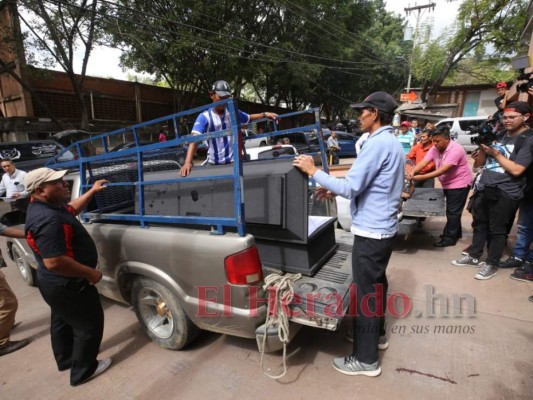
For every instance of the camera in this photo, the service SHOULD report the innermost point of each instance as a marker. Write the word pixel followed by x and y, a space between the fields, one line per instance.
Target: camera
pixel 523 87
pixel 520 64
pixel 485 133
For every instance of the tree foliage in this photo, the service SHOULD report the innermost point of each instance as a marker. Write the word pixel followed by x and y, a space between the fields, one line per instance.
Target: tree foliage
pixel 485 31
pixel 298 53
pixel 60 32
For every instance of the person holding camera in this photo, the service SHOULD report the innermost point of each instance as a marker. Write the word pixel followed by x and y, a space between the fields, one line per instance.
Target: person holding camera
pixel 499 189
pixel 455 177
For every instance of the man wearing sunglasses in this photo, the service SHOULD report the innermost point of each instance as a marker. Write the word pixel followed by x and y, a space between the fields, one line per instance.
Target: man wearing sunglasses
pixel 499 189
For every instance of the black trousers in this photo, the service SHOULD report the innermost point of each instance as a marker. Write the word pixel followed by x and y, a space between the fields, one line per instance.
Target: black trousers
pixel 77 326
pixel 491 221
pixel 455 203
pixel 370 258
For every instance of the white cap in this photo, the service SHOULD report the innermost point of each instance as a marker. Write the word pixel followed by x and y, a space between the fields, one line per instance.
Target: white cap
pixel 35 178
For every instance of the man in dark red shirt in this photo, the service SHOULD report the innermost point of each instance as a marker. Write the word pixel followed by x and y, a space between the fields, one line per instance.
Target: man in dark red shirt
pixel 67 258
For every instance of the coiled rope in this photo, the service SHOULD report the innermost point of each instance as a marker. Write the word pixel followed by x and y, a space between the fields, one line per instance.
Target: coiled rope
pixel 280 294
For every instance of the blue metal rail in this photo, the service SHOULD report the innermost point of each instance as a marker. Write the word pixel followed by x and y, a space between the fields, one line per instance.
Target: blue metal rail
pixel 133 161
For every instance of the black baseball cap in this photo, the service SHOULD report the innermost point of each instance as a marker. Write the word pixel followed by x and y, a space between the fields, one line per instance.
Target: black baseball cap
pixel 221 88
pixel 520 107
pixel 380 100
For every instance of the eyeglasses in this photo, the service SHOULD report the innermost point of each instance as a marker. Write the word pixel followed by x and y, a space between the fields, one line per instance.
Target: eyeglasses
pixel 511 117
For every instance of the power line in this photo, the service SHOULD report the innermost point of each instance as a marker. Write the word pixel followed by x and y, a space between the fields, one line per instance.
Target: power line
pixel 144 15
pixel 343 70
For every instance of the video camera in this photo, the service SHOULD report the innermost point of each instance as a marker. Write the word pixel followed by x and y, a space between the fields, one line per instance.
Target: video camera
pixel 485 133
pixel 524 87
pixel 520 64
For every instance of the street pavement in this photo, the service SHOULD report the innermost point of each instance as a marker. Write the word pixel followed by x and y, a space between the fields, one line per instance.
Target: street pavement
pixel 482 349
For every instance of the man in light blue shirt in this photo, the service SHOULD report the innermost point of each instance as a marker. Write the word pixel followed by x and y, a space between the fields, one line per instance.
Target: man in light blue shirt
pixel 374 185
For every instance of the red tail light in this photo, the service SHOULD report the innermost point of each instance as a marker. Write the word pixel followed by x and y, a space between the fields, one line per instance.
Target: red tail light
pixel 244 268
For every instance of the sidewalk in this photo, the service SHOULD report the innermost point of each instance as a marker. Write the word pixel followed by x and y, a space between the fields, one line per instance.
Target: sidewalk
pixel 480 350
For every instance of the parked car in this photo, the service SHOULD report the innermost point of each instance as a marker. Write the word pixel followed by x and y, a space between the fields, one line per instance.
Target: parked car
pixel 346 142
pixel 305 142
pixel 128 145
pixel 460 129
pixel 261 153
pixel 33 153
pixel 250 139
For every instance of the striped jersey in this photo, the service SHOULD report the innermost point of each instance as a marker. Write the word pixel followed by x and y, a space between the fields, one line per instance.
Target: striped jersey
pixel 220 149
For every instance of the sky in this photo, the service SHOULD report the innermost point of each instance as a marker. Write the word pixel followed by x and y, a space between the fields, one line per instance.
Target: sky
pixel 104 61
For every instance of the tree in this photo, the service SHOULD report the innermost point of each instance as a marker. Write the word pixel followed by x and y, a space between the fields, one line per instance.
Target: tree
pixel 56 30
pixel 297 53
pixel 480 23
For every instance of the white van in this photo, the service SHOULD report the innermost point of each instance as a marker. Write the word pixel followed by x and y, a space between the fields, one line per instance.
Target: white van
pixel 460 129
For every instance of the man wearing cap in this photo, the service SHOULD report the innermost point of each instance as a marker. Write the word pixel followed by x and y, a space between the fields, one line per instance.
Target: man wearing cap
pixel 500 101
pixel 406 137
pixel 216 119
pixel 499 189
pixel 374 185
pixel 67 259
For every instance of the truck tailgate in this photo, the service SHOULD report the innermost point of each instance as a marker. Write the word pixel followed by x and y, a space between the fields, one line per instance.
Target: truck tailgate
pixel 321 300
pixel 425 202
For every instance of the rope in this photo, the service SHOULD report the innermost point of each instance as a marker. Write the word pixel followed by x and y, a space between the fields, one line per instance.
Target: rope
pixel 280 294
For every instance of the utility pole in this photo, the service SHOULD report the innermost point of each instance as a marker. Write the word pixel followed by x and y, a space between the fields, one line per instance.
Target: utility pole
pixel 419 10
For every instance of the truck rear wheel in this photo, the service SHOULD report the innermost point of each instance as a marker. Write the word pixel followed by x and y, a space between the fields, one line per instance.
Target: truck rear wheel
pixel 161 316
pixel 28 273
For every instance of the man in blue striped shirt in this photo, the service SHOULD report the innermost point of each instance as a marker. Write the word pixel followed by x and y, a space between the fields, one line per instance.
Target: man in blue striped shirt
pixel 217 119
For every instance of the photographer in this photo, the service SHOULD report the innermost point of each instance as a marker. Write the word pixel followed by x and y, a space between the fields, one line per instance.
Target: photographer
pixel 499 189
pixel 500 101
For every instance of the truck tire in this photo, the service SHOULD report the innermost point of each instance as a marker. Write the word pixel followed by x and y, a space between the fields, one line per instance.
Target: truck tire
pixel 262 144
pixel 28 273
pixel 161 316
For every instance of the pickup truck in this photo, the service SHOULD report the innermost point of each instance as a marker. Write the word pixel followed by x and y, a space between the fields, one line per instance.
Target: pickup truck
pixel 181 278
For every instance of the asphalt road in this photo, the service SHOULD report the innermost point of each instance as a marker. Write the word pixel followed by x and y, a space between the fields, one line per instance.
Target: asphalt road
pixel 479 350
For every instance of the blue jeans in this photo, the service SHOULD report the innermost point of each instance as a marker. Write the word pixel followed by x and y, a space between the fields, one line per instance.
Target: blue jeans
pixel 524 236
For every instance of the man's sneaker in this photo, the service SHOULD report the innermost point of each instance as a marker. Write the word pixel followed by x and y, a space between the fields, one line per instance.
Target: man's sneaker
pixel 486 272
pixel 527 266
pixel 466 250
pixel 102 366
pixel 524 276
pixel 466 261
pixel 349 365
pixel 383 343
pixel 511 262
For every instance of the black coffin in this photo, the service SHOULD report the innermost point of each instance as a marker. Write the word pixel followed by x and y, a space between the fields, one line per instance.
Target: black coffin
pixel 276 210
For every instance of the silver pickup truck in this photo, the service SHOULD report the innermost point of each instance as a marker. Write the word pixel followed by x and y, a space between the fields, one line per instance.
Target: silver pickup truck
pixel 182 279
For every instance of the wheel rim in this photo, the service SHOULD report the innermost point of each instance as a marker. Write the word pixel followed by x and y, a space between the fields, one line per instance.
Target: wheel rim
pixel 155 313
pixel 21 265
